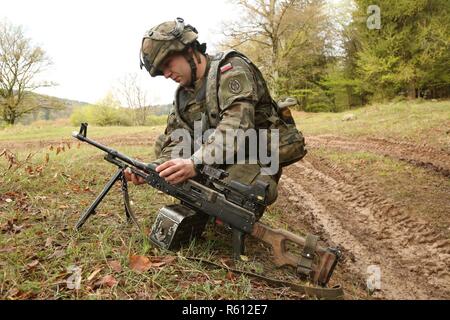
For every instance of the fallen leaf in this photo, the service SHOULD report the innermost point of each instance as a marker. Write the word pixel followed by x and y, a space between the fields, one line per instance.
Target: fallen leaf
pixel 107 280
pixel 58 150
pixel 17 229
pixel 48 242
pixel 161 261
pixel 244 258
pixel 115 265
pixel 140 263
pixel 33 264
pixel 57 254
pixel 230 276
pixel 75 188
pixel 39 169
pixel 227 262
pixel 7 249
pixel 12 292
pixel 93 274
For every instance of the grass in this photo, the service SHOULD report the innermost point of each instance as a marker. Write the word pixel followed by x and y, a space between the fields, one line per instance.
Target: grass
pixel 48 132
pixel 418 122
pixel 38 245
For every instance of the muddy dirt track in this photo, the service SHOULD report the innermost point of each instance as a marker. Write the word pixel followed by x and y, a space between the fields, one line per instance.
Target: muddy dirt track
pixel 345 210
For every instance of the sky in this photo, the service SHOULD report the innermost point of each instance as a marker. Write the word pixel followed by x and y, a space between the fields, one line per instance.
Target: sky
pixel 94 43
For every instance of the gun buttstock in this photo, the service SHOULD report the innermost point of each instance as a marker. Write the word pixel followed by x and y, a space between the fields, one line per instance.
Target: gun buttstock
pixel 278 238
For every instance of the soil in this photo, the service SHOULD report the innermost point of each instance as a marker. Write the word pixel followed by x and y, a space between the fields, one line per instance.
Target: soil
pixel 116 140
pixel 373 230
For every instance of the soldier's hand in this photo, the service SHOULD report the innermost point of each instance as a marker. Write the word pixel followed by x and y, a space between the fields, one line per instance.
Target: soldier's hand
pixel 176 170
pixel 132 177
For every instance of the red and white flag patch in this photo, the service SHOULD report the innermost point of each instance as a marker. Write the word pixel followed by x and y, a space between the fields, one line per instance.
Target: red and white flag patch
pixel 226 67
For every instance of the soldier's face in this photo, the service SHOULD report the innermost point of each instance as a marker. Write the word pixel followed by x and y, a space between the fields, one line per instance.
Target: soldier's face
pixel 177 68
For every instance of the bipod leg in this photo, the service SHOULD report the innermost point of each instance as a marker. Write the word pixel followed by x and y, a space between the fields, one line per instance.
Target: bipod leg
pixel 126 200
pixel 91 210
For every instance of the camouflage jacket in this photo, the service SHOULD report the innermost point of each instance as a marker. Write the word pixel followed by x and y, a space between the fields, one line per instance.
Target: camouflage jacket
pixel 244 102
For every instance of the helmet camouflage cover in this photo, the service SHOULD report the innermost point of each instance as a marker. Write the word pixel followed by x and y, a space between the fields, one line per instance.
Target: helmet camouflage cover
pixel 163 40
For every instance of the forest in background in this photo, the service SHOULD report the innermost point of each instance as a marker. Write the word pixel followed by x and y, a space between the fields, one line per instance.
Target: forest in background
pixel 339 55
pixel 330 55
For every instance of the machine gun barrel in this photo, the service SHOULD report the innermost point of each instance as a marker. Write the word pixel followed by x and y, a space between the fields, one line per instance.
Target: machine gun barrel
pixel 133 162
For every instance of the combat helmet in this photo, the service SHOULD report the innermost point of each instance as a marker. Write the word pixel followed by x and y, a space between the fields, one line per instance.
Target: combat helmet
pixel 165 39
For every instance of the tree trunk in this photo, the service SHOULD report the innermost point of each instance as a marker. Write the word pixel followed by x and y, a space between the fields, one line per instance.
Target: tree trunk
pixel 412 90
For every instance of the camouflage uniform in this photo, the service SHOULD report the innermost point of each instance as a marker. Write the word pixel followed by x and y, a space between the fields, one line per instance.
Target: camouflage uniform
pixel 244 100
pixel 247 105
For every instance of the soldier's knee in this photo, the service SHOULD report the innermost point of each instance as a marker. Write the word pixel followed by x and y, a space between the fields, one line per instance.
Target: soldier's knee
pixel 272 190
pixel 249 174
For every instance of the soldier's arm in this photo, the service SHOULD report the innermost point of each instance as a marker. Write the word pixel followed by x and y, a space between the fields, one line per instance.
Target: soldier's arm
pixel 164 145
pixel 237 94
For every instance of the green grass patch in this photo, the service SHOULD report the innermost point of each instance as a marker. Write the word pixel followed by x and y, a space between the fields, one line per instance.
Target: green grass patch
pixel 39 250
pixel 418 122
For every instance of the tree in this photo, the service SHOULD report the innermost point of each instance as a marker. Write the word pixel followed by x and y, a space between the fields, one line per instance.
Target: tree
pixel 409 54
pixel 20 64
pixel 290 40
pixel 135 97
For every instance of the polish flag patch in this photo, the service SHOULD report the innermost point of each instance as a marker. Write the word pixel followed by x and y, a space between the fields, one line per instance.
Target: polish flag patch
pixel 226 67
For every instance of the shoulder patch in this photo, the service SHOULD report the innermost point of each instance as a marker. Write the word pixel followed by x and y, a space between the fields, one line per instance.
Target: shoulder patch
pixel 235 86
pixel 226 67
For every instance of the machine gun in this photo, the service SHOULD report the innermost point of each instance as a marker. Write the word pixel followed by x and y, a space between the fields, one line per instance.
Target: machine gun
pixel 235 204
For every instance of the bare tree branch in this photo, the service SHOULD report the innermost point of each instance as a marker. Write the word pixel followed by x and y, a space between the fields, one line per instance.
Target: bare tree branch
pixel 20 63
pixel 135 97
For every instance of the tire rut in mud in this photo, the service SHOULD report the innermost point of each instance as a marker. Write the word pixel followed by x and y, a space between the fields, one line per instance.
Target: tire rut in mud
pixel 412 257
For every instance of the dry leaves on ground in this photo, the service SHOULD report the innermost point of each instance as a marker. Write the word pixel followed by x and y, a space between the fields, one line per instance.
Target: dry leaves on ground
pixel 107 280
pixel 143 264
